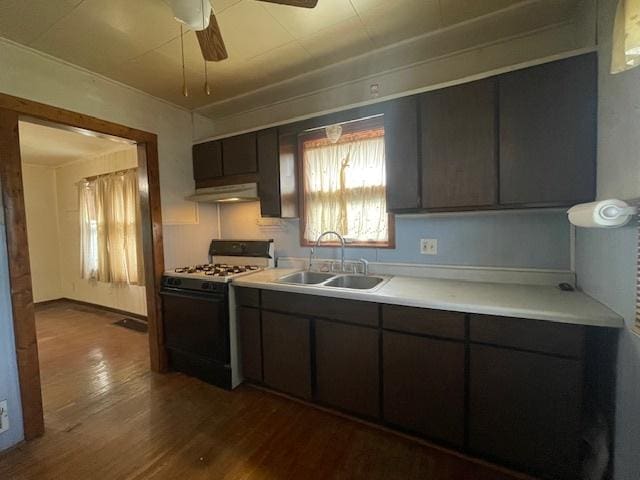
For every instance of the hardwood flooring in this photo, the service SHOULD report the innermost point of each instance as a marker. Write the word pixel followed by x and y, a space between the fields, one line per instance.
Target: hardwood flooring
pixel 108 417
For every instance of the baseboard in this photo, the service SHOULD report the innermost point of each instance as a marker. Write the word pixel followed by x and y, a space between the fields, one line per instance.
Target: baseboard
pixel 47 303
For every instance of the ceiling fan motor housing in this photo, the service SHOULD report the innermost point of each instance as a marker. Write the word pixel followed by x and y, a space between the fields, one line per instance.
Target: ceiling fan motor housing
pixel 190 13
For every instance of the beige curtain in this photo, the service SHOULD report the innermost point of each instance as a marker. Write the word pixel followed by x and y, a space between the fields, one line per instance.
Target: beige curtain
pixel 344 188
pixel 626 36
pixel 110 229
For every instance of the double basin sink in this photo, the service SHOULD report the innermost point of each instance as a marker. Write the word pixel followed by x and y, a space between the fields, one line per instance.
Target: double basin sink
pixel 332 280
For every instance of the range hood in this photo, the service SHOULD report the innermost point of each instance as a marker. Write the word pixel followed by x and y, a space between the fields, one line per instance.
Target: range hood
pixel 243 192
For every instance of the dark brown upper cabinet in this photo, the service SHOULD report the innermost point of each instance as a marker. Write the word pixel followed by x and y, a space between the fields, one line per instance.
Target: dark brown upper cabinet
pixel 207 160
pixel 277 181
pixel 401 154
pixel 269 168
pixel 459 148
pixel 548 133
pixel 239 154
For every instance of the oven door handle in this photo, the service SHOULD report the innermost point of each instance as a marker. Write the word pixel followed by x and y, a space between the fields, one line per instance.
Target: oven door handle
pixel 209 297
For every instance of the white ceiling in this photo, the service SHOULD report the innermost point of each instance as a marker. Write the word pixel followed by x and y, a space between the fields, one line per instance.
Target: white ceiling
pixel 52 147
pixel 137 42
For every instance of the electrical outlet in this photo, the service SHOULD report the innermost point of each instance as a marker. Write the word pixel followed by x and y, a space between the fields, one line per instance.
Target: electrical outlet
pixel 4 417
pixel 428 246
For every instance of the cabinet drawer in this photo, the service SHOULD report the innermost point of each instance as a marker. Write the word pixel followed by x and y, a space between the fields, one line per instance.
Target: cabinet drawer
pixel 423 321
pixel 247 297
pixel 536 335
pixel 350 311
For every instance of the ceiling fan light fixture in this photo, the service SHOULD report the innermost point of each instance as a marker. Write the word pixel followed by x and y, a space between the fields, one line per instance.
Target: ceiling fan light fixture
pixel 194 14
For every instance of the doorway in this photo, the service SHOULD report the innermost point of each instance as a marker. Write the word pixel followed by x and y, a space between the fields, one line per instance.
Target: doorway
pixel 87 272
pixel 12 111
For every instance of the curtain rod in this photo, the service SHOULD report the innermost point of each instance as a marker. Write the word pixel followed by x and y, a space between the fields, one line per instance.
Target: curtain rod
pixel 95 177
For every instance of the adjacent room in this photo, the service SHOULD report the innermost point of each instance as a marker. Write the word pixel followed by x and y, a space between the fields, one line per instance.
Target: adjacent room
pixel 320 239
pixel 87 273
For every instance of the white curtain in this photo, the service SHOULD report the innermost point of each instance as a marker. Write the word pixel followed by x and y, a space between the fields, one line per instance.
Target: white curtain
pixel 344 187
pixel 626 36
pixel 110 236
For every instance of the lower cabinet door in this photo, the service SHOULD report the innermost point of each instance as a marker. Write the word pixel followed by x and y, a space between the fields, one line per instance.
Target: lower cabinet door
pixel 423 382
pixel 524 410
pixel 347 367
pixel 286 353
pixel 250 340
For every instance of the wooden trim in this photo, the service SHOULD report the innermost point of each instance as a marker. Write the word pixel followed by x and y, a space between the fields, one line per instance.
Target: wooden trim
pixel 227 180
pixel 81 121
pixel 11 108
pixel 58 301
pixel 24 326
pixel 390 244
pixel 153 248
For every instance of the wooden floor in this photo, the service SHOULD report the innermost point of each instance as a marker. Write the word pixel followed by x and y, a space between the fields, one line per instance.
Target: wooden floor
pixel 108 417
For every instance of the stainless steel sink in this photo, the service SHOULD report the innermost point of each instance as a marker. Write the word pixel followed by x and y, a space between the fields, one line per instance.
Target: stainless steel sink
pixel 358 282
pixel 306 278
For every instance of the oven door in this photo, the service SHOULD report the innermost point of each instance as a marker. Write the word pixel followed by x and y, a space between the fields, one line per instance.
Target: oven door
pixel 197 324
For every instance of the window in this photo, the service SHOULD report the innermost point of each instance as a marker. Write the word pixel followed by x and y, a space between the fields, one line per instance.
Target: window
pixel 626 36
pixel 343 171
pixel 110 248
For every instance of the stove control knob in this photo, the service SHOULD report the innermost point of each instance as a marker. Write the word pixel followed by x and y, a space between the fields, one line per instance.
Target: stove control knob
pixel 206 286
pixel 177 282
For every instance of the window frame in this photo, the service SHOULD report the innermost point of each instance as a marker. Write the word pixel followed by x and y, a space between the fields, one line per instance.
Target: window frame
pixel 316 133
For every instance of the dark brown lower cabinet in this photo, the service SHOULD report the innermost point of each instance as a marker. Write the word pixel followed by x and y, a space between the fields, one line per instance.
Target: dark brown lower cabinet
pixel 423 382
pixel 347 367
pixel 525 410
pixel 250 340
pixel 286 353
pixel 509 390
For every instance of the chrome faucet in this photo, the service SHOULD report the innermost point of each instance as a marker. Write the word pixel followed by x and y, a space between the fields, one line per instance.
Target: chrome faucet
pixel 342 243
pixel 365 266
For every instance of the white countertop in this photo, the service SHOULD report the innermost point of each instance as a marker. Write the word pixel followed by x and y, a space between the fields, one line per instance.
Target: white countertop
pixel 512 300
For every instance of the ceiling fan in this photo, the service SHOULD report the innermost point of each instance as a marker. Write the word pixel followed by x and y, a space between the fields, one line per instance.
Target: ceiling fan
pixel 198 15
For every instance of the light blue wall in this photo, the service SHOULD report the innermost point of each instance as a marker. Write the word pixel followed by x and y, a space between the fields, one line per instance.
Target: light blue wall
pixel 606 270
pixel 606 259
pixel 9 388
pixel 533 239
pixel 505 239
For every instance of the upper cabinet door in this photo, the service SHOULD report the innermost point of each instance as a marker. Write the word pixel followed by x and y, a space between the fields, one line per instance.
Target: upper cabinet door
pixel 239 154
pixel 548 133
pixel 401 154
pixel 459 152
pixel 269 168
pixel 207 160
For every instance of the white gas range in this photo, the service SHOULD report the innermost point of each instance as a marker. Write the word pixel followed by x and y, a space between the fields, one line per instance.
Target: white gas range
pixel 198 310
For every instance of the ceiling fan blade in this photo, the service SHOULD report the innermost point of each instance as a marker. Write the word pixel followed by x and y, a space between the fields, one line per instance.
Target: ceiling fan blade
pixel 295 3
pixel 211 42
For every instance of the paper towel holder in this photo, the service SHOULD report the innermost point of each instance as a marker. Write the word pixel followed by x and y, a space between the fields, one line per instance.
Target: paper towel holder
pixel 609 213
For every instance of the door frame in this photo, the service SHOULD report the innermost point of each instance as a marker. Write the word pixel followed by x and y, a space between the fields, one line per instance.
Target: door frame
pixel 11 109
